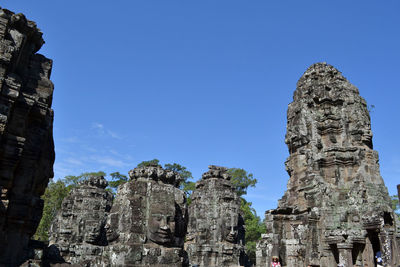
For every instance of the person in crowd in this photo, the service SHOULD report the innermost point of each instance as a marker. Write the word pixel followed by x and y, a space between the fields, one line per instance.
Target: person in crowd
pixel 275 262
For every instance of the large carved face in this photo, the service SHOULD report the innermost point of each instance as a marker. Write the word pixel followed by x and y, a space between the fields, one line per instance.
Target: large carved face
pixel 230 227
pixel 161 223
pixel 111 224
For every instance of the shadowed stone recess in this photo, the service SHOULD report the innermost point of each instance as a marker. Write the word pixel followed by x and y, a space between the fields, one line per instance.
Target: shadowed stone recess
pixel 26 137
pixel 148 221
pixel 215 231
pixel 336 208
pixel 79 228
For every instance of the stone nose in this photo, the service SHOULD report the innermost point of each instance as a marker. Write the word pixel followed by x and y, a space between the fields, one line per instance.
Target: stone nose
pixel 164 224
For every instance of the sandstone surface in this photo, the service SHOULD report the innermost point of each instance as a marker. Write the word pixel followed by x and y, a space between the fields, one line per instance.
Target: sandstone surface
pixel 78 231
pixel 336 209
pixel 148 221
pixel 26 138
pixel 216 228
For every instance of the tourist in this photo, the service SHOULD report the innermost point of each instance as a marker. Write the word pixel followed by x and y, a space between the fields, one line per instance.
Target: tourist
pixel 275 262
pixel 379 262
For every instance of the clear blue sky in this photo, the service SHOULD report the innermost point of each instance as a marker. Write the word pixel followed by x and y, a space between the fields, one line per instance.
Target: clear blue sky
pixel 208 82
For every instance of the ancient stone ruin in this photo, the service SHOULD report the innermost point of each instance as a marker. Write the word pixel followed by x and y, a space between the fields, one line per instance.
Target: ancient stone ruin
pixel 26 138
pixel 215 232
pixel 148 221
pixel 79 228
pixel 336 209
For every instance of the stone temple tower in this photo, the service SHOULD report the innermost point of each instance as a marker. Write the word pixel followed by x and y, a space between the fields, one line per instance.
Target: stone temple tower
pixel 336 208
pixel 216 228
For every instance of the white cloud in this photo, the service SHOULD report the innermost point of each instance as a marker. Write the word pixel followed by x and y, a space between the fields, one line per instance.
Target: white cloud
pixel 73 161
pixel 103 131
pixel 97 125
pixel 109 161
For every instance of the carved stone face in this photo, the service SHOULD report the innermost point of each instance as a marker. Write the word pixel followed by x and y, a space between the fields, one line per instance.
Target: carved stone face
pixel 230 228
pixel 161 223
pixel 111 223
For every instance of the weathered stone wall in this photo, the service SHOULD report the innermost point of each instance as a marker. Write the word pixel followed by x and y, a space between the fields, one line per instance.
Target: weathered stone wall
pixel 336 208
pixel 215 232
pixel 148 221
pixel 79 228
pixel 26 139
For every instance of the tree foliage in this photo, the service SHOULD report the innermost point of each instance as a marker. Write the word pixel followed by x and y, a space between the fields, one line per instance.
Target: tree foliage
pixel 117 180
pixel 254 228
pixel 396 205
pixel 241 180
pixel 186 185
pixel 147 163
pixel 53 197
pixel 55 193
pixel 72 181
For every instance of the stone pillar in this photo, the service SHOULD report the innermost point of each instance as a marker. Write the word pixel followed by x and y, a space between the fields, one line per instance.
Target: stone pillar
pixel 345 254
pixel 26 134
pixel 215 232
pixel 147 223
pixel 79 228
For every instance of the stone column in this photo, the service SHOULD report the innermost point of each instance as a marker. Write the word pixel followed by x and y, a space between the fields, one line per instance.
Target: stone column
pixel 26 134
pixel 215 231
pixel 345 254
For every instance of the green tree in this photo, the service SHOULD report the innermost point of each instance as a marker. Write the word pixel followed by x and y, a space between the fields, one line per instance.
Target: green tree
pixel 254 228
pixel 72 181
pixel 53 197
pixel 396 205
pixel 186 185
pixel 148 163
pixel 241 180
pixel 117 180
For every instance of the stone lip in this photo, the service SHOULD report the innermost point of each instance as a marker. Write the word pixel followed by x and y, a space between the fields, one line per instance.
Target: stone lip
pixel 156 173
pixel 216 172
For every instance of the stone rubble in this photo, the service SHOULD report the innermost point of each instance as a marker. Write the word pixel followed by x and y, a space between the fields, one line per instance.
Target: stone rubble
pixel 336 208
pixel 26 134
